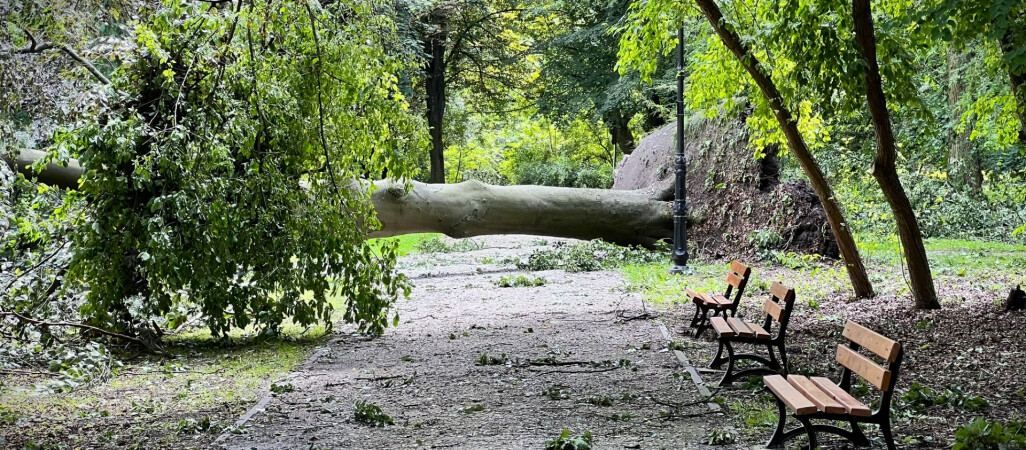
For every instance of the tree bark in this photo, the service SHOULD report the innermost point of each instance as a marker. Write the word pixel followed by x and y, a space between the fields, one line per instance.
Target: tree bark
pixel 1018 82
pixel 435 84
pixel 849 251
pixel 472 208
pixel 964 165
pixel 621 131
pixel 884 164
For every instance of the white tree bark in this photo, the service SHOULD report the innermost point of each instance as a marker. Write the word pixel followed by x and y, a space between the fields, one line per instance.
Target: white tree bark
pixel 472 208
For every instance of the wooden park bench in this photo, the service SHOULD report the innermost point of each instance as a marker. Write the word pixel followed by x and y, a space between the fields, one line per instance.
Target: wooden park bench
pixel 719 305
pixel 818 398
pixel 732 330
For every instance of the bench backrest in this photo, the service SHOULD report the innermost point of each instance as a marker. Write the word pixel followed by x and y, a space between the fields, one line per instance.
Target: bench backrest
pixel 737 279
pixel 778 307
pixel 853 361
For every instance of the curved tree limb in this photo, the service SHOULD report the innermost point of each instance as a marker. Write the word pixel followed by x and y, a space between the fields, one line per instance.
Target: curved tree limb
pixel 37 47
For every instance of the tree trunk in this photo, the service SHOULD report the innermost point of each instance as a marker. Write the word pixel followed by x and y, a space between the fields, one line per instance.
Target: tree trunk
pixel 964 166
pixel 621 131
pixel 1018 82
pixel 435 70
pixel 472 208
pixel 884 163
pixel 849 251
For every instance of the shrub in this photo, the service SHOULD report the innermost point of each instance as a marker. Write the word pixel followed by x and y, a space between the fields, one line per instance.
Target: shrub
pixel 982 434
pixel 564 173
pixel 588 257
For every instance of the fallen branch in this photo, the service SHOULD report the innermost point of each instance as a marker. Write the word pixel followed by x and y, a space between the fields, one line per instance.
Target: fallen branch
pixel 28 373
pixel 608 369
pixel 84 327
pixel 36 47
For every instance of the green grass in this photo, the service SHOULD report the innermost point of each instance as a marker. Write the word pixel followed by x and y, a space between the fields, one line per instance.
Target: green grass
pixel 958 254
pixel 408 243
pixel 659 286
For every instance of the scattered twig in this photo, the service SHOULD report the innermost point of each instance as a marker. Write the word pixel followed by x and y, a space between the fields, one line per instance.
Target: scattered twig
pixel 607 369
pixel 28 373
pixel 381 378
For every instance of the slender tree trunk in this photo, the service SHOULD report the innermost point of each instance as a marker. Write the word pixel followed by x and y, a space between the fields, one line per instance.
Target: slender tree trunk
pixel 884 163
pixel 1018 82
pixel 964 166
pixel 849 251
pixel 435 70
pixel 621 131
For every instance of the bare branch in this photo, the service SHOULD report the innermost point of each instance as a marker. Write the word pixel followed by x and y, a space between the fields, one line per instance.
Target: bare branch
pixel 36 47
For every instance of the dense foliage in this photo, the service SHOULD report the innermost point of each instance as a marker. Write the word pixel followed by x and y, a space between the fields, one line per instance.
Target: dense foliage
pixel 223 168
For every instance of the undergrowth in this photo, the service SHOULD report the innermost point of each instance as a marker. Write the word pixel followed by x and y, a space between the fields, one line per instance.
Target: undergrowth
pixel 588 256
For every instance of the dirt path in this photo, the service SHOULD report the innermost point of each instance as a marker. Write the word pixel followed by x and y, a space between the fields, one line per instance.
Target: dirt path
pixel 424 373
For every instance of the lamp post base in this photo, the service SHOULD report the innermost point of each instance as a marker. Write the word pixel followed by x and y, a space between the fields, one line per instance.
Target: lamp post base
pixel 681 270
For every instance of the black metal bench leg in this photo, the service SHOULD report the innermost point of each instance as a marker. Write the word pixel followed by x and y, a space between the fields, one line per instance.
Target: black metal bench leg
pixel 694 318
pixel 728 376
pixel 773 363
pixel 783 359
pixel 718 360
pixel 860 438
pixel 777 439
pixel 885 427
pixel 810 431
pixel 701 321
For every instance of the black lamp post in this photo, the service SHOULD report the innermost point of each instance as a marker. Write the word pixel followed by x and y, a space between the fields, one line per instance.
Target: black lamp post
pixel 680 201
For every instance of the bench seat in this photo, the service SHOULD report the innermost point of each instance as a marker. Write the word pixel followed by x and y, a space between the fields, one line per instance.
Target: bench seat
pixel 732 326
pixel 800 392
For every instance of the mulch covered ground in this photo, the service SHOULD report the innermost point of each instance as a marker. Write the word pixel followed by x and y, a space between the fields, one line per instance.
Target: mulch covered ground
pixel 970 348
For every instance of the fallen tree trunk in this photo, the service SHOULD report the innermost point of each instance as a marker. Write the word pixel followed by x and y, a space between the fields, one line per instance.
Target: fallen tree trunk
pixel 473 208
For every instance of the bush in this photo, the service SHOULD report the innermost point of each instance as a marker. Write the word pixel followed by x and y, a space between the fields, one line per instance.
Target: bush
pixel 588 257
pixel 564 173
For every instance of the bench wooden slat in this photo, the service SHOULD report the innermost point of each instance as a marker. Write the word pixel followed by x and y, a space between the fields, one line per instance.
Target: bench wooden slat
pixel 739 268
pixel 734 280
pixel 760 332
pixel 693 294
pixel 872 341
pixel 721 327
pixel 779 291
pixel 878 376
pixel 851 404
pixel 823 401
pixel 794 400
pixel 721 300
pixel 740 327
pixel 773 309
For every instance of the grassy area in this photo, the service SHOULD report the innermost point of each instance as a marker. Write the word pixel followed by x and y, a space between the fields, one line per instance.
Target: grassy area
pixel 986 265
pixel 183 401
pixel 408 243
